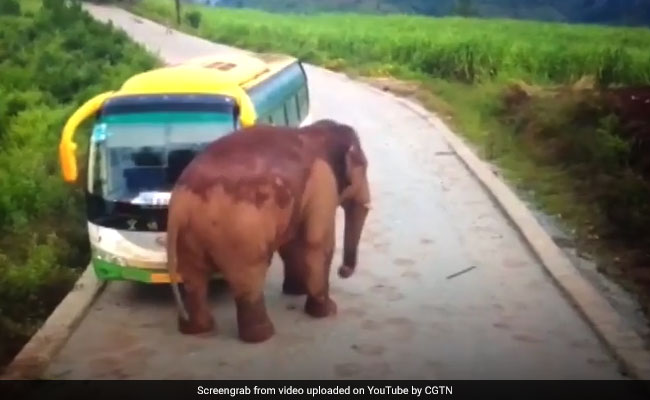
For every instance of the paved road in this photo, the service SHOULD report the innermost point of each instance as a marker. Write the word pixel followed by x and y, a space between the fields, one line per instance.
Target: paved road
pixel 399 316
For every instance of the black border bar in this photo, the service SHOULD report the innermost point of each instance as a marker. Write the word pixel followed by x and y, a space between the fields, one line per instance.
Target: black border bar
pixel 310 389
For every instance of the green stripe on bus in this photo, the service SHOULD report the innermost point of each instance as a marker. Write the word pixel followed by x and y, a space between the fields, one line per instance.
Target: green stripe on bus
pixel 109 271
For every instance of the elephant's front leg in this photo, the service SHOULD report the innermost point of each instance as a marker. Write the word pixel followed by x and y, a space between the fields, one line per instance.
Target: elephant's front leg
pixel 293 258
pixel 318 260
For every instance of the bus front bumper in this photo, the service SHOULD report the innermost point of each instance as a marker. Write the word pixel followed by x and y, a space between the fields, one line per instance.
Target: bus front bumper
pixel 108 271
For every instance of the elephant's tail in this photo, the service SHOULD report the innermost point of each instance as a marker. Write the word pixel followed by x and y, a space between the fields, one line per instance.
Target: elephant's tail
pixel 173 226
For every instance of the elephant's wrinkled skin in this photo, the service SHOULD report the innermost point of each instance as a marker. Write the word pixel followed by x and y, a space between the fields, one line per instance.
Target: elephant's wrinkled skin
pixel 260 190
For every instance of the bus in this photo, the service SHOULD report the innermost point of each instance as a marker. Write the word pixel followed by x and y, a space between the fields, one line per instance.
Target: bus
pixel 145 133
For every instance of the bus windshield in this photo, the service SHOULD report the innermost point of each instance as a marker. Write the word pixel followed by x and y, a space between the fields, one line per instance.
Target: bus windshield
pixel 137 157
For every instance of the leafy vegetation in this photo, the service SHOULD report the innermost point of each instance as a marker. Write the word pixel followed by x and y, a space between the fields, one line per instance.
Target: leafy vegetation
pixel 599 11
pixel 53 57
pixel 542 101
pixel 193 18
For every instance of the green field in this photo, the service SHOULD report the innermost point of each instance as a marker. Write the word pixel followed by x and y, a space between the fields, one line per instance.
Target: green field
pixel 52 58
pixel 451 48
pixel 625 12
pixel 533 98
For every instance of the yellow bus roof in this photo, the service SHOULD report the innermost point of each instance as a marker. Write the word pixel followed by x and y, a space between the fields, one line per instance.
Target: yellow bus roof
pixel 209 74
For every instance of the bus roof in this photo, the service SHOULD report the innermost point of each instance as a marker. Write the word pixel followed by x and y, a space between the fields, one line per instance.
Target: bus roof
pixel 209 74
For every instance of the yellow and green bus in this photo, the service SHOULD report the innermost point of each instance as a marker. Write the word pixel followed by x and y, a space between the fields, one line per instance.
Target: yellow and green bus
pixel 147 131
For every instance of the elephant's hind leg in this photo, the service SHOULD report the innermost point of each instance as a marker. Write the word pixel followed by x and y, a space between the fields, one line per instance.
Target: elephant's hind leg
pixel 195 272
pixel 247 285
pixel 293 258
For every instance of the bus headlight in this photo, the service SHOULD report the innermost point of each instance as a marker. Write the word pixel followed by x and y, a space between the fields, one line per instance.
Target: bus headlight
pixel 108 257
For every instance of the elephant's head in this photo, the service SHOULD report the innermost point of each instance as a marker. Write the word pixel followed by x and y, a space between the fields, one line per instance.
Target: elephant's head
pixel 350 165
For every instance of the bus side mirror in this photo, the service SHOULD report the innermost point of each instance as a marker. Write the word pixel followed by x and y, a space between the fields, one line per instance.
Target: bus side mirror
pixel 67 147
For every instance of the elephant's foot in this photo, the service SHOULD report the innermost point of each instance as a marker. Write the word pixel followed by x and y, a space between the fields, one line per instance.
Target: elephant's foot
pixel 253 322
pixel 256 333
pixel 345 271
pixel 320 308
pixel 196 326
pixel 293 287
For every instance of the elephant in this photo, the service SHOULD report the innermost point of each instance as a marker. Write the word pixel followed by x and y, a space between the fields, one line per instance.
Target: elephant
pixel 260 190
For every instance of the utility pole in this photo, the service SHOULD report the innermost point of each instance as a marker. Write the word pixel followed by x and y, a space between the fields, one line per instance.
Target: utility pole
pixel 178 12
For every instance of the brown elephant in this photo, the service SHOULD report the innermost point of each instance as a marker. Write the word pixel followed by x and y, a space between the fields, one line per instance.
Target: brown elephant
pixel 260 190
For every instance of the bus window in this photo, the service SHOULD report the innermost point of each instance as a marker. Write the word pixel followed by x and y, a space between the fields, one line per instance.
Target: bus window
pixel 270 96
pixel 293 114
pixel 279 117
pixel 147 151
pixel 303 102
pixel 286 115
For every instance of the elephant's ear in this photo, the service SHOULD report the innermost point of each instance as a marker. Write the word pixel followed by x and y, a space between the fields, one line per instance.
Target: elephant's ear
pixel 354 158
pixel 355 169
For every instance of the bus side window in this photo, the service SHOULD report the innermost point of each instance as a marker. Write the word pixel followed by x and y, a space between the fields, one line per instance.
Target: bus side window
pixel 293 114
pixel 265 120
pixel 279 117
pixel 286 114
pixel 282 100
pixel 303 102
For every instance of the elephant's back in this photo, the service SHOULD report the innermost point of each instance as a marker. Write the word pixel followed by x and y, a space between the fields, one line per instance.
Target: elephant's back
pixel 265 167
pixel 253 146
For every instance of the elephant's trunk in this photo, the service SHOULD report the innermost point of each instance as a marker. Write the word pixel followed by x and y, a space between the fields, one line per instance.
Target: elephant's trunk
pixel 355 218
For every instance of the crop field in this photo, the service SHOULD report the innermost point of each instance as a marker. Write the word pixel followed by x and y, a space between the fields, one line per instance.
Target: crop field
pixel 469 50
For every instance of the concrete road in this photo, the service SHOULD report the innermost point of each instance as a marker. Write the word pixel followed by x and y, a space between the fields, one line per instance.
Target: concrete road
pixel 400 316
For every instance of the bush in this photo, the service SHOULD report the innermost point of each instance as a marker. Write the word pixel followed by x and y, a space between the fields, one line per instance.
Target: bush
pixel 50 62
pixel 9 7
pixel 193 18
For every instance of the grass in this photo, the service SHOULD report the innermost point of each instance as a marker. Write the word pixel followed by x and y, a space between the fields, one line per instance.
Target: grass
pixel 562 146
pixel 52 58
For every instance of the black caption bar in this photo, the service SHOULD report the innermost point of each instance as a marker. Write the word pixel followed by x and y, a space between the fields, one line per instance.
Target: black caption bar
pixel 181 390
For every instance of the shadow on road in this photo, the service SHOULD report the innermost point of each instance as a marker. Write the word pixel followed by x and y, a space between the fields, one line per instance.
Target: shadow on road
pixel 161 294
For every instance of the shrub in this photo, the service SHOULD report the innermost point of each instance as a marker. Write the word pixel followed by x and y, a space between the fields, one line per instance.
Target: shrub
pixel 9 7
pixel 194 18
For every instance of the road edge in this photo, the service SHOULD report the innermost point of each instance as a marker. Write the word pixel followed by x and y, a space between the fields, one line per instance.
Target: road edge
pixel 35 356
pixel 625 344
